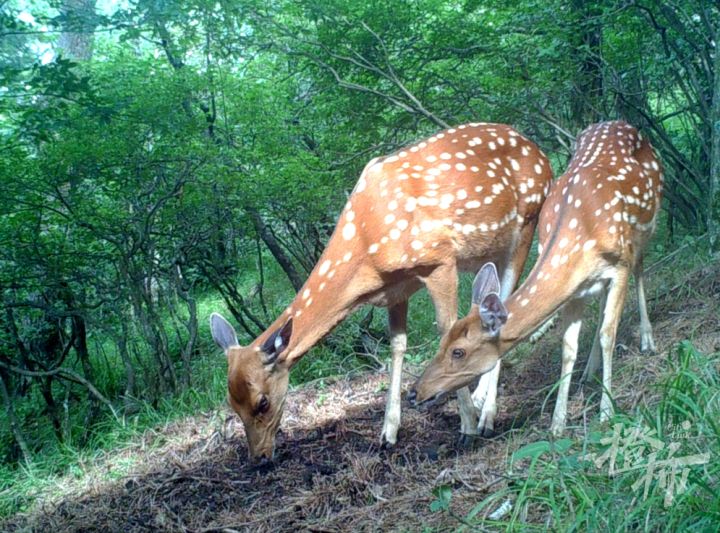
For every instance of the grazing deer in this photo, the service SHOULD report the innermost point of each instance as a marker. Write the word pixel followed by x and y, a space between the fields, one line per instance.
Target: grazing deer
pixel 451 202
pixel 593 228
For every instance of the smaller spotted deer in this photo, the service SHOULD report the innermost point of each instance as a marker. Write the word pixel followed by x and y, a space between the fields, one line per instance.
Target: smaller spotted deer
pixel 593 228
pixel 462 197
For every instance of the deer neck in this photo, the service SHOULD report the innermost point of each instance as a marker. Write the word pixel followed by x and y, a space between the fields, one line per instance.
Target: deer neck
pixel 555 279
pixel 334 288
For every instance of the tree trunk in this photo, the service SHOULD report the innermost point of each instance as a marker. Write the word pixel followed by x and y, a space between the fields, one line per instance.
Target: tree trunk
pixel 714 179
pixel 274 246
pixel 588 90
pixel 13 421
pixel 76 39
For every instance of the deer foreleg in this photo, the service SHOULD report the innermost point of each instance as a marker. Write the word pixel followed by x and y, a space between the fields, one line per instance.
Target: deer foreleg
pixel 613 309
pixel 397 318
pixel 573 321
pixel 647 344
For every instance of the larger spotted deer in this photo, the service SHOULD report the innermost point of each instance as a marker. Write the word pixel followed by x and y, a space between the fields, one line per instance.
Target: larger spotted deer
pixel 593 229
pixel 451 202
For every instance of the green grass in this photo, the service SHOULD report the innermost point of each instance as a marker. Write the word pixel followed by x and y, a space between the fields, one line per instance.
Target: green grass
pixel 567 484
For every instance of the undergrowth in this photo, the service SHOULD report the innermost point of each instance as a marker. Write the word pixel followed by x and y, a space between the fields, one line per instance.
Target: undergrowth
pixel 657 469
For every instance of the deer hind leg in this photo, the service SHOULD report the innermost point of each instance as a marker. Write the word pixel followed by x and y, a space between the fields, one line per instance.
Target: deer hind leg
pixel 442 286
pixel 611 318
pixel 572 318
pixel 647 344
pixel 397 318
pixel 593 362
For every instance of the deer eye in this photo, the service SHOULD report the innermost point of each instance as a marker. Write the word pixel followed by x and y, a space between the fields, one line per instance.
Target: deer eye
pixel 262 406
pixel 458 353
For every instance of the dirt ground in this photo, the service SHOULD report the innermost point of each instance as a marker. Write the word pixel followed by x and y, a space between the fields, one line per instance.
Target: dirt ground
pixel 330 474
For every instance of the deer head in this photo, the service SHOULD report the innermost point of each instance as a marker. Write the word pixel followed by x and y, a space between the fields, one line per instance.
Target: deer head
pixel 257 384
pixel 470 348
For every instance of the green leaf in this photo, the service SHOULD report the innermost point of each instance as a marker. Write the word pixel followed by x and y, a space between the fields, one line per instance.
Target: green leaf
pixel 443 494
pixel 533 450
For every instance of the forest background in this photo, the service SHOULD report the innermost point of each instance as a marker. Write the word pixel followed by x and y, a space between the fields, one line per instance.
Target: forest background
pixel 160 160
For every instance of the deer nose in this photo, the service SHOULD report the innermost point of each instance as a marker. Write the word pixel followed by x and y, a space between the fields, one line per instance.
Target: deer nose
pixel 411 397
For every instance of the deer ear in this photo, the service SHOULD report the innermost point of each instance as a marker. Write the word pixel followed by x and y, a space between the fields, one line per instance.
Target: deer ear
pixel 222 332
pixel 492 313
pixel 276 343
pixel 485 283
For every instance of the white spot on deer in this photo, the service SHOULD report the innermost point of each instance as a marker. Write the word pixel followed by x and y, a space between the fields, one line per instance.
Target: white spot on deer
pixel 445 156
pixel 460 167
pixel 324 267
pixel 361 184
pixel 468 228
pixel 617 217
pixel 589 245
pixel 395 234
pixel 525 150
pixel 478 188
pixel 427 225
pixel 563 242
pixel 416 245
pixel 373 248
pixel 306 294
pixel 578 202
pixel 402 224
pixel 501 141
pixel 491 145
pixel 447 199
pixel 348 231
pixel 425 201
pixel 307 304
pixel 538 169
pixel 461 194
pixel 410 204
pixel 473 204
pixel 573 223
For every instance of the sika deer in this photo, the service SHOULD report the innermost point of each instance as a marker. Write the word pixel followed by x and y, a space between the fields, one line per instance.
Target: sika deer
pixel 593 229
pixel 451 202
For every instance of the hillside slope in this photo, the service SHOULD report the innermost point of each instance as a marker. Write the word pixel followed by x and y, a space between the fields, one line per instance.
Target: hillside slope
pixel 330 473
